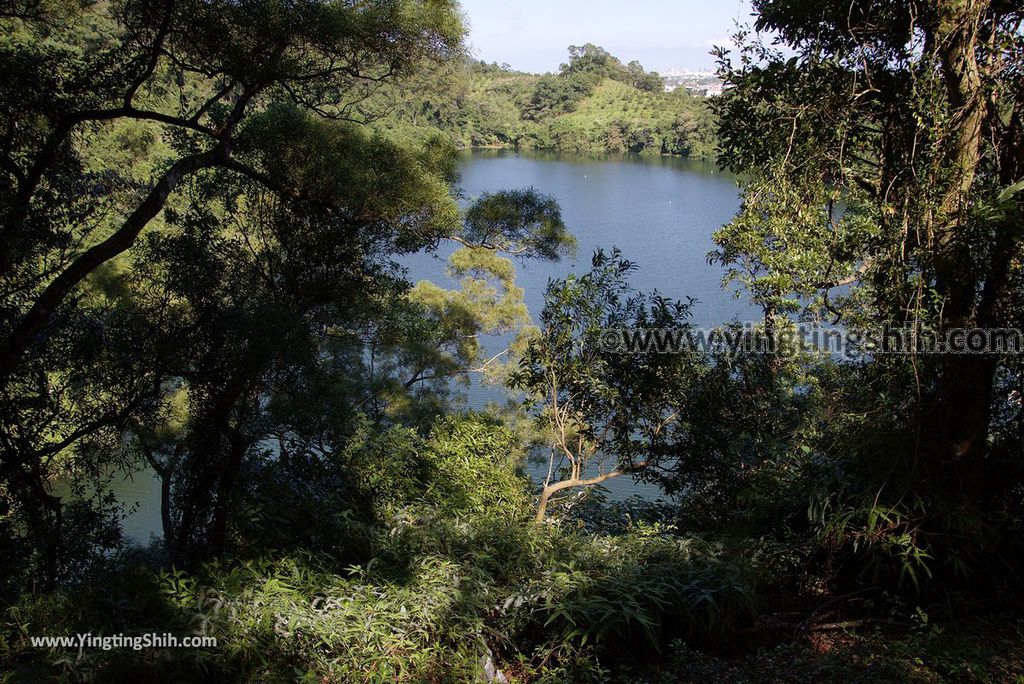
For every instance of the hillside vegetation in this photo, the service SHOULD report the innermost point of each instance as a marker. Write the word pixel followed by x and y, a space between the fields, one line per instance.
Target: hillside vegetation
pixel 594 104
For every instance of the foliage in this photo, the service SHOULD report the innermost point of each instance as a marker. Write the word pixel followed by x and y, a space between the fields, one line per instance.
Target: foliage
pixel 203 205
pixel 878 149
pixel 594 105
pixel 520 223
pixel 451 572
pixel 177 124
pixel 644 588
pixel 609 413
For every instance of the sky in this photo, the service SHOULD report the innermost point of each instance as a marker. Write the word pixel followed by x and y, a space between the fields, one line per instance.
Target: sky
pixel 533 35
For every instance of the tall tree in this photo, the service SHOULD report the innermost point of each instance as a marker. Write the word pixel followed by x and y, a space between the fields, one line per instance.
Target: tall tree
pixel 109 112
pixel 886 153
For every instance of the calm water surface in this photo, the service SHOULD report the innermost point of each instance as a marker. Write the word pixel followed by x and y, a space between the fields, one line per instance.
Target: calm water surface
pixel 659 211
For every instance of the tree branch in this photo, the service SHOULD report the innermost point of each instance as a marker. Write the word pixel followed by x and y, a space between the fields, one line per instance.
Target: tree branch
pixel 120 241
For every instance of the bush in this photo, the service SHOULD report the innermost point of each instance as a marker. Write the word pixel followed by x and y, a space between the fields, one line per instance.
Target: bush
pixel 448 571
pixel 631 593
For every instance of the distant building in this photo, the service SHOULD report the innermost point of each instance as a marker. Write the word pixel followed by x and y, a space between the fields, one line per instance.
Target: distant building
pixel 703 83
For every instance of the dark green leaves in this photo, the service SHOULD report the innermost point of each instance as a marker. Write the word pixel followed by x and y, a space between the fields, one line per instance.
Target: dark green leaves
pixel 340 168
pixel 519 222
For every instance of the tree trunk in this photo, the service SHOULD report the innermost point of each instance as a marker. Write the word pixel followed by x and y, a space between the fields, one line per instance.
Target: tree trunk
pixel 551 489
pixel 962 405
pixel 542 505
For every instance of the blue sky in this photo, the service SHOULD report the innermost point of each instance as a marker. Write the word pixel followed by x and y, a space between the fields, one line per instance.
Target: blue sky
pixel 532 35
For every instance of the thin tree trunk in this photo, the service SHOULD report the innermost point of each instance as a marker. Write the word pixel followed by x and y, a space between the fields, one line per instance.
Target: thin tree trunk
pixel 552 489
pixel 962 410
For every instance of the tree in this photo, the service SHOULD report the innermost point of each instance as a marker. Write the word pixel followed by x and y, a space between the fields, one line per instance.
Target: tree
pixel 916 128
pixel 597 62
pixel 641 79
pixel 288 328
pixel 312 53
pixel 558 94
pixel 608 413
pixel 594 60
pixel 885 155
pixel 109 113
pixel 430 336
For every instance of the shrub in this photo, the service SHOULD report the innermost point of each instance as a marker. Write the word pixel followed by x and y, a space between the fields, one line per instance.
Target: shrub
pixel 632 592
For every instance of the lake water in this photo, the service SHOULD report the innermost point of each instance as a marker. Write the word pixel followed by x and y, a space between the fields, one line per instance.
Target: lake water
pixel 659 211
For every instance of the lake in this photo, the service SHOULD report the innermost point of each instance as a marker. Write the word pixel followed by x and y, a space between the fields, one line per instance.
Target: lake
pixel 659 211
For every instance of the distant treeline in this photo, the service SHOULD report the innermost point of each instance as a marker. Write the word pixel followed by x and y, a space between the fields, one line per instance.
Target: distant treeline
pixel 594 104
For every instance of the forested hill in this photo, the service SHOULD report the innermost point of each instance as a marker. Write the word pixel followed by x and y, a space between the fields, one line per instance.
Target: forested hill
pixel 594 104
